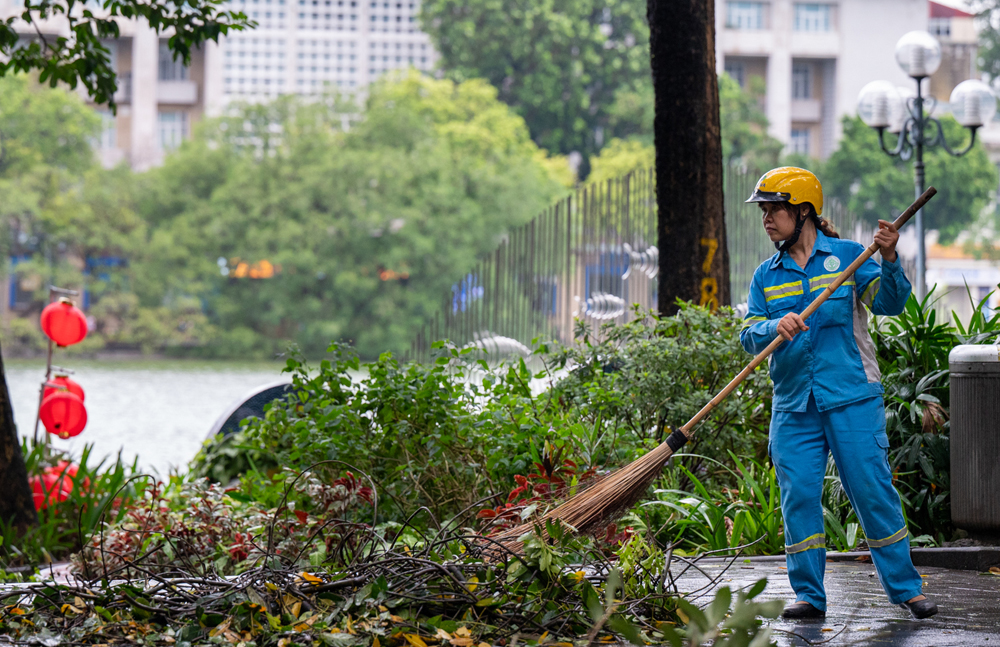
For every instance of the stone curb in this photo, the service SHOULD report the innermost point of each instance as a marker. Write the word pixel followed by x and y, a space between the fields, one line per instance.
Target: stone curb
pixel 966 558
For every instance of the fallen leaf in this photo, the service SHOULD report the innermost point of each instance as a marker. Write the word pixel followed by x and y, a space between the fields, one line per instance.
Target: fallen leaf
pixel 471 583
pixel 461 642
pixel 827 629
pixel 442 634
pixel 311 579
pixel 396 619
pixel 683 616
pixel 995 570
pixel 541 639
pixel 376 643
pixel 415 640
pixel 463 632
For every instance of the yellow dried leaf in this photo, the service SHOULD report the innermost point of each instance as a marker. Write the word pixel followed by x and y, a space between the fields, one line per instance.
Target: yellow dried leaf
pixel 283 642
pixel 463 632
pixel 301 627
pixel 396 619
pixel 442 634
pixel 415 640
pixel 311 579
pixel 376 643
pixel 17 611
pixel 484 645
pixel 461 642
pixel 541 639
pixel 561 644
pixel 683 616
pixel 272 587
pixel 472 583
pixel 296 609
pixel 382 608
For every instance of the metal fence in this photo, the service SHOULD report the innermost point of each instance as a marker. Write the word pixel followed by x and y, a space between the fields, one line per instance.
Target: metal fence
pixel 591 256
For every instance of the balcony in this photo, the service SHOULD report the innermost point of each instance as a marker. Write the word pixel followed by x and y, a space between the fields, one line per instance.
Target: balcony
pixel 807 110
pixel 183 93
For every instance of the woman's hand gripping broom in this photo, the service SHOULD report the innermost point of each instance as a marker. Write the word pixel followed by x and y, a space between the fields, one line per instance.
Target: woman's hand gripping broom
pixel 601 503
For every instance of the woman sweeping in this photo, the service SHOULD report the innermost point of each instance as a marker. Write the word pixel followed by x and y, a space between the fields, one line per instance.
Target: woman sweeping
pixel 827 390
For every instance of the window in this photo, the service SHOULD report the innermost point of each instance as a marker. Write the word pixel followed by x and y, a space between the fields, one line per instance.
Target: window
pixel 745 15
pixel 737 72
pixel 173 128
pixel 801 81
pixel 171 70
pixel 800 140
pixel 108 137
pixel 812 17
pixel 939 26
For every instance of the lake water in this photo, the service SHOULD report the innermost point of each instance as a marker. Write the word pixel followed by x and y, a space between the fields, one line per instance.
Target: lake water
pixel 157 410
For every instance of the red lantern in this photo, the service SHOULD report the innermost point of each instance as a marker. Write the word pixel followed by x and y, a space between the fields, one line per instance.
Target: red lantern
pixel 55 484
pixel 63 414
pixel 63 383
pixel 64 323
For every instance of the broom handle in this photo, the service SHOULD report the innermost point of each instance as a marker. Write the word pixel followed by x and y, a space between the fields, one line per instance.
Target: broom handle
pixel 688 428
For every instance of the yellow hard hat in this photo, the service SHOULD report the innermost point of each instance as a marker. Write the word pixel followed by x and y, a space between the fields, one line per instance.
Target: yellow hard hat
pixel 789 184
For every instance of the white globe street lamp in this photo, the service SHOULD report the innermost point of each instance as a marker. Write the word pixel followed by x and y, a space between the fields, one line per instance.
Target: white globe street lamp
pixel 884 107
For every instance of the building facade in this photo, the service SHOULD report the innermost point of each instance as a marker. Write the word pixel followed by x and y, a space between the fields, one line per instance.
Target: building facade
pixel 306 47
pixel 813 58
pixel 158 99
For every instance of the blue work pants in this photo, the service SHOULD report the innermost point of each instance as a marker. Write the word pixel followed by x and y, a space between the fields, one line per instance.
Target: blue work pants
pixel 855 435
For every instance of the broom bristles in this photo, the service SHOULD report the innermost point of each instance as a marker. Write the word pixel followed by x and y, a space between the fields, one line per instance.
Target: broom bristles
pixel 600 504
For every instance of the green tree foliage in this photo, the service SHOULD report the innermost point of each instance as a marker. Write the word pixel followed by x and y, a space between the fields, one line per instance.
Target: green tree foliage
pixel 988 24
pixel 558 64
pixel 874 185
pixel 368 214
pixel 59 208
pixel 78 55
pixel 744 130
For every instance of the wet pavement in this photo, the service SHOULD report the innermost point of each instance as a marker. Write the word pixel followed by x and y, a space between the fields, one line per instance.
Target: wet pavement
pixel 858 612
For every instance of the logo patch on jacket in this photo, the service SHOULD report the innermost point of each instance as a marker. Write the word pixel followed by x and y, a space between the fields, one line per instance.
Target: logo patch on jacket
pixel 831 264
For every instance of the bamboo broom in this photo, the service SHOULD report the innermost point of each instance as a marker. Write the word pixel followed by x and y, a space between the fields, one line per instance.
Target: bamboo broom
pixel 617 492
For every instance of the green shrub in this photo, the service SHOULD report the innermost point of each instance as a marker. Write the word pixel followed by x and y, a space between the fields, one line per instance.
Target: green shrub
pixel 101 493
pixel 638 380
pixel 913 353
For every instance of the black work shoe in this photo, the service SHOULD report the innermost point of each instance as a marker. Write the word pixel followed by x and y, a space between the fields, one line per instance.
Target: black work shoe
pixel 801 611
pixel 921 608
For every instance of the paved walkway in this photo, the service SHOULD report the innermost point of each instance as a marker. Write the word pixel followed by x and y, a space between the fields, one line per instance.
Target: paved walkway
pixel 859 613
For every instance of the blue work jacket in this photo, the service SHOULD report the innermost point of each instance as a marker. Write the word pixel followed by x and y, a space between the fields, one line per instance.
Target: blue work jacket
pixel 834 360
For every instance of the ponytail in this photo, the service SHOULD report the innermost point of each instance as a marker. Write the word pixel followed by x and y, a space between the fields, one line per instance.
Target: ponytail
pixel 825 226
pixel 821 223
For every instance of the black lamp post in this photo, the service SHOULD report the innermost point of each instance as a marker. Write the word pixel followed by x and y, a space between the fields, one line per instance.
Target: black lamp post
pixel 884 107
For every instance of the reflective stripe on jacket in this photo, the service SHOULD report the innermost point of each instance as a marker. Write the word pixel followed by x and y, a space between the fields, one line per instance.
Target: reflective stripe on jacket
pixel 835 359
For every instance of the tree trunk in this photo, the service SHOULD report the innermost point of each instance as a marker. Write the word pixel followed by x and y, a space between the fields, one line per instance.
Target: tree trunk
pixel 694 259
pixel 17 506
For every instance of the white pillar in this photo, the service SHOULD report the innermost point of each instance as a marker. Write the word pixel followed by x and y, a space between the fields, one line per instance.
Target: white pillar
pixel 779 94
pixel 213 90
pixel 145 74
